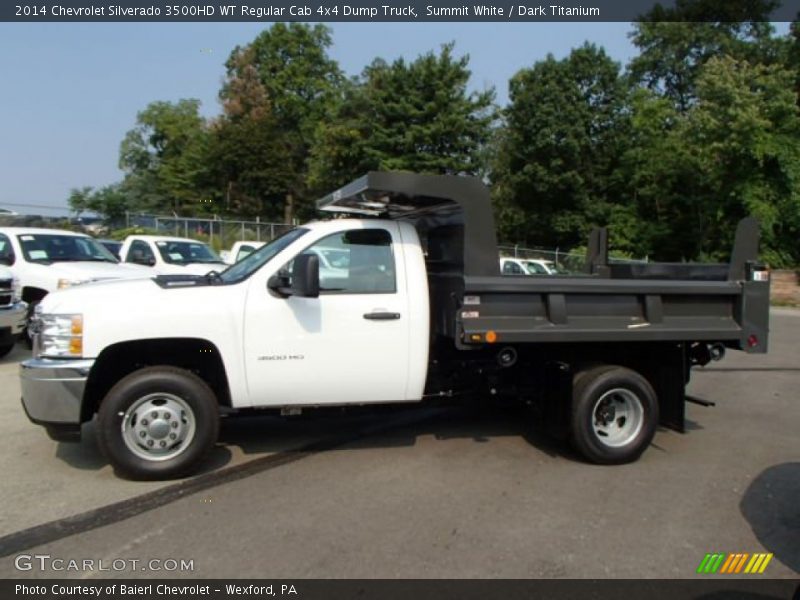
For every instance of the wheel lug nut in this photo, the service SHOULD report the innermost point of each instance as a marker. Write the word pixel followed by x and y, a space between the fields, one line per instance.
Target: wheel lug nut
pixel 163 443
pixel 154 414
pixel 167 416
pixel 149 442
pixel 142 434
pixel 172 436
pixel 174 424
pixel 144 422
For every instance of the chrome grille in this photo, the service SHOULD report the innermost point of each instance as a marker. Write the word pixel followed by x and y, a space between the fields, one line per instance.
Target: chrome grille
pixel 6 291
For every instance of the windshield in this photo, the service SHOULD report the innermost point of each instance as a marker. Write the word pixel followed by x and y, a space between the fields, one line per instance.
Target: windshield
pixel 535 268
pixel 48 248
pixel 177 252
pixel 253 262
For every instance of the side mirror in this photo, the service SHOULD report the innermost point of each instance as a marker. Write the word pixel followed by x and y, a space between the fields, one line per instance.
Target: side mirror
pixel 305 276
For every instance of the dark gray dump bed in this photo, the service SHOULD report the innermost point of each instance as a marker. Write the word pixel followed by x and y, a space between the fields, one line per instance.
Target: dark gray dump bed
pixel 610 303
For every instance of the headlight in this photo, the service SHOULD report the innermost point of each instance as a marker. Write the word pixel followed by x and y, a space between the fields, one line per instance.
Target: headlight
pixel 65 283
pixel 60 335
pixel 16 290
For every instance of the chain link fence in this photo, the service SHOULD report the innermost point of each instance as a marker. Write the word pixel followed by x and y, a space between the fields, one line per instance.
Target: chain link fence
pixel 218 233
pixel 221 234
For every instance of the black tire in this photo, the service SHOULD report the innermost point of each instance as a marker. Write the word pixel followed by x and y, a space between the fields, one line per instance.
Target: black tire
pixel 597 431
pixel 5 349
pixel 141 462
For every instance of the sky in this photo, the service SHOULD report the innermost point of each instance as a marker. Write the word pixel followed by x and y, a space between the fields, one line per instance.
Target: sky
pixel 70 91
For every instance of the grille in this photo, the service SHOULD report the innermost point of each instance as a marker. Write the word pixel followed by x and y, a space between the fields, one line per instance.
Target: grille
pixel 6 291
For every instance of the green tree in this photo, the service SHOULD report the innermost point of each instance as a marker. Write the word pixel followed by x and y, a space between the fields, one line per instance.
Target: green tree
pixel 109 201
pixel 246 155
pixel 164 157
pixel 416 116
pixel 299 80
pixel 746 133
pixel 793 58
pixel 675 42
pixel 556 164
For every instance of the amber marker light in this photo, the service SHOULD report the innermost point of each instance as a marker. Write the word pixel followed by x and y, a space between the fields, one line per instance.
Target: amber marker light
pixel 77 325
pixel 491 337
pixel 76 346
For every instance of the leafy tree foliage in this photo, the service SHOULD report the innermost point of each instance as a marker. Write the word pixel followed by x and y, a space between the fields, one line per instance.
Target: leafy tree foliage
pixel 298 80
pixel 109 201
pixel 416 116
pixel 163 157
pixel 557 158
pixel 702 129
pixel 675 42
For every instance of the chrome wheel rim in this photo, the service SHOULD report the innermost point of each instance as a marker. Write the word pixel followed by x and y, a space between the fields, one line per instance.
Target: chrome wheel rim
pixel 617 417
pixel 158 426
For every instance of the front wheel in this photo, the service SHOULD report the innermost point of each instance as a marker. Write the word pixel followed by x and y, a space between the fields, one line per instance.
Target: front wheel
pixel 614 414
pixel 158 423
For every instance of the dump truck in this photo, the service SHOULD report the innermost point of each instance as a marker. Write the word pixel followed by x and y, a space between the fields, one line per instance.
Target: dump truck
pixel 416 310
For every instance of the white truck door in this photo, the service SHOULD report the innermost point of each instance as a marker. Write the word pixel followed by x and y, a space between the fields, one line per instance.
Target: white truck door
pixel 349 345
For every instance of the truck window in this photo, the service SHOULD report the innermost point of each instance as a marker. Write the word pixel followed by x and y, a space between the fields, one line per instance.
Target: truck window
pixel 178 252
pixel 253 262
pixel 356 262
pixel 536 269
pixel 244 252
pixel 47 248
pixel 6 251
pixel 140 253
pixel 511 268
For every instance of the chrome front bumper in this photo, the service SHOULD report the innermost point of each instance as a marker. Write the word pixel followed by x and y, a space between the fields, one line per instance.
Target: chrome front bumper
pixel 13 316
pixel 52 394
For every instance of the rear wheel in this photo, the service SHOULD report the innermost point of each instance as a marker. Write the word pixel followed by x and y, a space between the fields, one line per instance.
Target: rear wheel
pixel 158 423
pixel 614 414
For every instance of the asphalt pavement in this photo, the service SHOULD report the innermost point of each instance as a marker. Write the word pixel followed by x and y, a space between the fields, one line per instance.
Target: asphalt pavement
pixel 431 494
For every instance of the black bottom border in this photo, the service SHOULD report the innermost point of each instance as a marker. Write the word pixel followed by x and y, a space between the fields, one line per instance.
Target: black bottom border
pixel 716 588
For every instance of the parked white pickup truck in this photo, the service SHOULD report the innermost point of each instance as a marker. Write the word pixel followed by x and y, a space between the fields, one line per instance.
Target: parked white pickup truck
pixel 13 310
pixel 413 306
pixel 240 250
pixel 46 260
pixel 170 255
pixel 527 266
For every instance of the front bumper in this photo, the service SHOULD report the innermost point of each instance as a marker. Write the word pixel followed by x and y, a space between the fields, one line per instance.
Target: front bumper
pixel 12 321
pixel 52 394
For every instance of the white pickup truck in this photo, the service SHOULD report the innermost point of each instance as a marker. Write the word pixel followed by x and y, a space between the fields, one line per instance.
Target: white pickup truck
pixel 413 306
pixel 46 260
pixel 166 255
pixel 241 249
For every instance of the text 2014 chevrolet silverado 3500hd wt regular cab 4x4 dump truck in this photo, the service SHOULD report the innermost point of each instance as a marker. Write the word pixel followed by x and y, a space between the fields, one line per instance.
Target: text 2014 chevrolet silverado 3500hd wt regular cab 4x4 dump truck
pixel 418 310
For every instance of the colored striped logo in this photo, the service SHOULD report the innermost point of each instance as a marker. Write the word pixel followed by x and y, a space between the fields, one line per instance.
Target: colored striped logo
pixel 741 562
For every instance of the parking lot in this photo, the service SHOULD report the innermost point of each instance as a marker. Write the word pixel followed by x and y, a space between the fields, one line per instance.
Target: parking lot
pixel 451 493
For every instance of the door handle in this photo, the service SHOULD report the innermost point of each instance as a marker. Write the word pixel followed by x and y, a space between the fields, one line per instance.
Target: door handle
pixel 381 316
